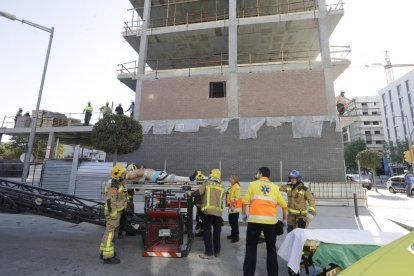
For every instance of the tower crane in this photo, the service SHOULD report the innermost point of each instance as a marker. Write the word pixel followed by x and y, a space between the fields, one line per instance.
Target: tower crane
pixel 388 66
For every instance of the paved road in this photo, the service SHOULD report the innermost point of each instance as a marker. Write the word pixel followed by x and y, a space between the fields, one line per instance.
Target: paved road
pixel 34 245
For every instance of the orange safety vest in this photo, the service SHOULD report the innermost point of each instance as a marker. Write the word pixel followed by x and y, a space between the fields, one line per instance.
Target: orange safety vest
pixel 234 199
pixel 263 196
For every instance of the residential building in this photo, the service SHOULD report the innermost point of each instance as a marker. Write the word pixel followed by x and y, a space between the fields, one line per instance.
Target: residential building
pixel 366 122
pixel 397 104
pixel 237 85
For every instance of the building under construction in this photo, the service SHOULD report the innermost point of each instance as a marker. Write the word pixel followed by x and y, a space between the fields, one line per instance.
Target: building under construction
pixel 237 84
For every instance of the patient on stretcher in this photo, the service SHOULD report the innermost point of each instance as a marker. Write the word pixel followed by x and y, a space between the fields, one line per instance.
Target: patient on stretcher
pixel 143 174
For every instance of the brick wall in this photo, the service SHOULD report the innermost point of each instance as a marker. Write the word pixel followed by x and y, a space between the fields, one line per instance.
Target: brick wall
pixel 318 159
pixel 300 92
pixel 181 98
pixel 261 94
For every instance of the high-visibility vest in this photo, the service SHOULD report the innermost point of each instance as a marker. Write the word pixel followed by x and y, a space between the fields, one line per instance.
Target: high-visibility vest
pixel 234 199
pixel 88 108
pixel 263 196
pixel 341 100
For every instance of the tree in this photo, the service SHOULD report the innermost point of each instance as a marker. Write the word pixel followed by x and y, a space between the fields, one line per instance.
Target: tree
pixel 16 146
pixel 117 134
pixel 371 160
pixel 351 150
pixel 395 151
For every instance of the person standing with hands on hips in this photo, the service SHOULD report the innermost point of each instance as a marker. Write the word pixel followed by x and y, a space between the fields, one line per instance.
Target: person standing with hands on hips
pixel 234 202
pixel 262 197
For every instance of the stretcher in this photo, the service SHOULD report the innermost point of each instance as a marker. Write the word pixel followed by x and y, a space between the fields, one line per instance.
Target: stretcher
pixel 328 251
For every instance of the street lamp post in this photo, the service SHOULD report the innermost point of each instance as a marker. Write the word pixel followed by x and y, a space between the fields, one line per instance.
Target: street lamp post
pixel 39 97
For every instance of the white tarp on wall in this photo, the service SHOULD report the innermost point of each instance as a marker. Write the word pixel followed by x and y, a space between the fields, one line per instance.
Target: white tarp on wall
pixel 302 126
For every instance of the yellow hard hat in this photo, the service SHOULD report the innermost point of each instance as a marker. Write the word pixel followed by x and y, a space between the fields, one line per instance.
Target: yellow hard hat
pixel 131 167
pixel 215 173
pixel 117 171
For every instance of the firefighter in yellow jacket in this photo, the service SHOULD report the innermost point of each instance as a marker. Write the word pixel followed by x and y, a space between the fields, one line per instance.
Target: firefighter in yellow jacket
pixel 298 194
pixel 262 197
pixel 212 193
pixel 234 202
pixel 115 203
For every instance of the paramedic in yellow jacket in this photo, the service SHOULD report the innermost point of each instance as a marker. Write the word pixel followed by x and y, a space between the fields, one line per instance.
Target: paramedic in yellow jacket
pixel 262 197
pixel 115 203
pixel 234 202
pixel 212 194
pixel 298 194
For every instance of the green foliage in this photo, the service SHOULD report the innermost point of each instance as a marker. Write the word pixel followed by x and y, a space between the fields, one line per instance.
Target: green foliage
pixel 370 159
pixel 117 134
pixel 2 149
pixel 16 145
pixel 351 150
pixel 395 151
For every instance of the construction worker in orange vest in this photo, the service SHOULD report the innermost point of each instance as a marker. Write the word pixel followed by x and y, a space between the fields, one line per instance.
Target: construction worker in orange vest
pixel 115 203
pixel 298 194
pixel 212 192
pixel 342 103
pixel 262 197
pixel 234 202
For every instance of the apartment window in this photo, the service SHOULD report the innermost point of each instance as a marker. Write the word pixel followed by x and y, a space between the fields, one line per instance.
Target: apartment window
pixel 385 110
pixel 375 123
pixel 364 104
pixel 392 108
pixel 383 98
pixel 389 135
pixel 389 95
pixel 399 90
pixel 365 113
pixel 377 132
pixel 407 85
pixel 218 89
pixel 378 142
pixel 374 113
pixel 369 142
pixel 412 112
pixel 367 132
pixel 386 122
pixel 366 123
pixel 400 100
pixel 409 98
pixel 375 104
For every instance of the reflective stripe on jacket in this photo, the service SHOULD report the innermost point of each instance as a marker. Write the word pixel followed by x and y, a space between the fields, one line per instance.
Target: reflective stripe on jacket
pixel 297 196
pixel 115 198
pixel 212 193
pixel 234 200
pixel 263 196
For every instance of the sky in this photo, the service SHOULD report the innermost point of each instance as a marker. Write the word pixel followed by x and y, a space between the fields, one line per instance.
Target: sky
pixel 88 46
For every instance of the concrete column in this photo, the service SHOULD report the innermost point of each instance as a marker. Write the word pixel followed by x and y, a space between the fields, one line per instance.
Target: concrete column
pixel 143 46
pixel 75 163
pixel 232 90
pixel 50 144
pixel 326 57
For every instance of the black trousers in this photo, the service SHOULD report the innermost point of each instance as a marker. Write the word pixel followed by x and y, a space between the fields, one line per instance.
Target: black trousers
pixel 234 224
pixel 212 239
pixel 88 116
pixel 252 238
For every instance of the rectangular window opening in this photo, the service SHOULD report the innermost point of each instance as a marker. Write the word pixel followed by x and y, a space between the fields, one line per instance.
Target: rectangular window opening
pixel 217 89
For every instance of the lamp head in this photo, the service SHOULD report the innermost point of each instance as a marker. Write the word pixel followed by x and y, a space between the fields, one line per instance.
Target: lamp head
pixel 8 15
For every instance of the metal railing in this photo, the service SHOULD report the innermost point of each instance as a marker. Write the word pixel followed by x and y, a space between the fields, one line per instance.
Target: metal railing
pixel 246 59
pixel 338 191
pixel 198 15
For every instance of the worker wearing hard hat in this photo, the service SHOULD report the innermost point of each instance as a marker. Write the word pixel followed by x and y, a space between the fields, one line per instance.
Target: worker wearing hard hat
pixel 298 194
pixel 18 114
pixel 106 110
pixel 131 109
pixel 119 110
pixel 262 197
pixel 115 203
pixel 88 114
pixel 212 193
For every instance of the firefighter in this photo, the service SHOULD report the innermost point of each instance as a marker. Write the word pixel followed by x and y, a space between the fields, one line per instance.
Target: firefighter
pixel 88 114
pixel 234 202
pixel 262 197
pixel 212 193
pixel 298 194
pixel 115 203
pixel 199 216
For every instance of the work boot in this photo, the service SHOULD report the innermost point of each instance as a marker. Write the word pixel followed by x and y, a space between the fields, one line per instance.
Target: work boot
pixel 217 255
pixel 207 257
pixel 112 260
